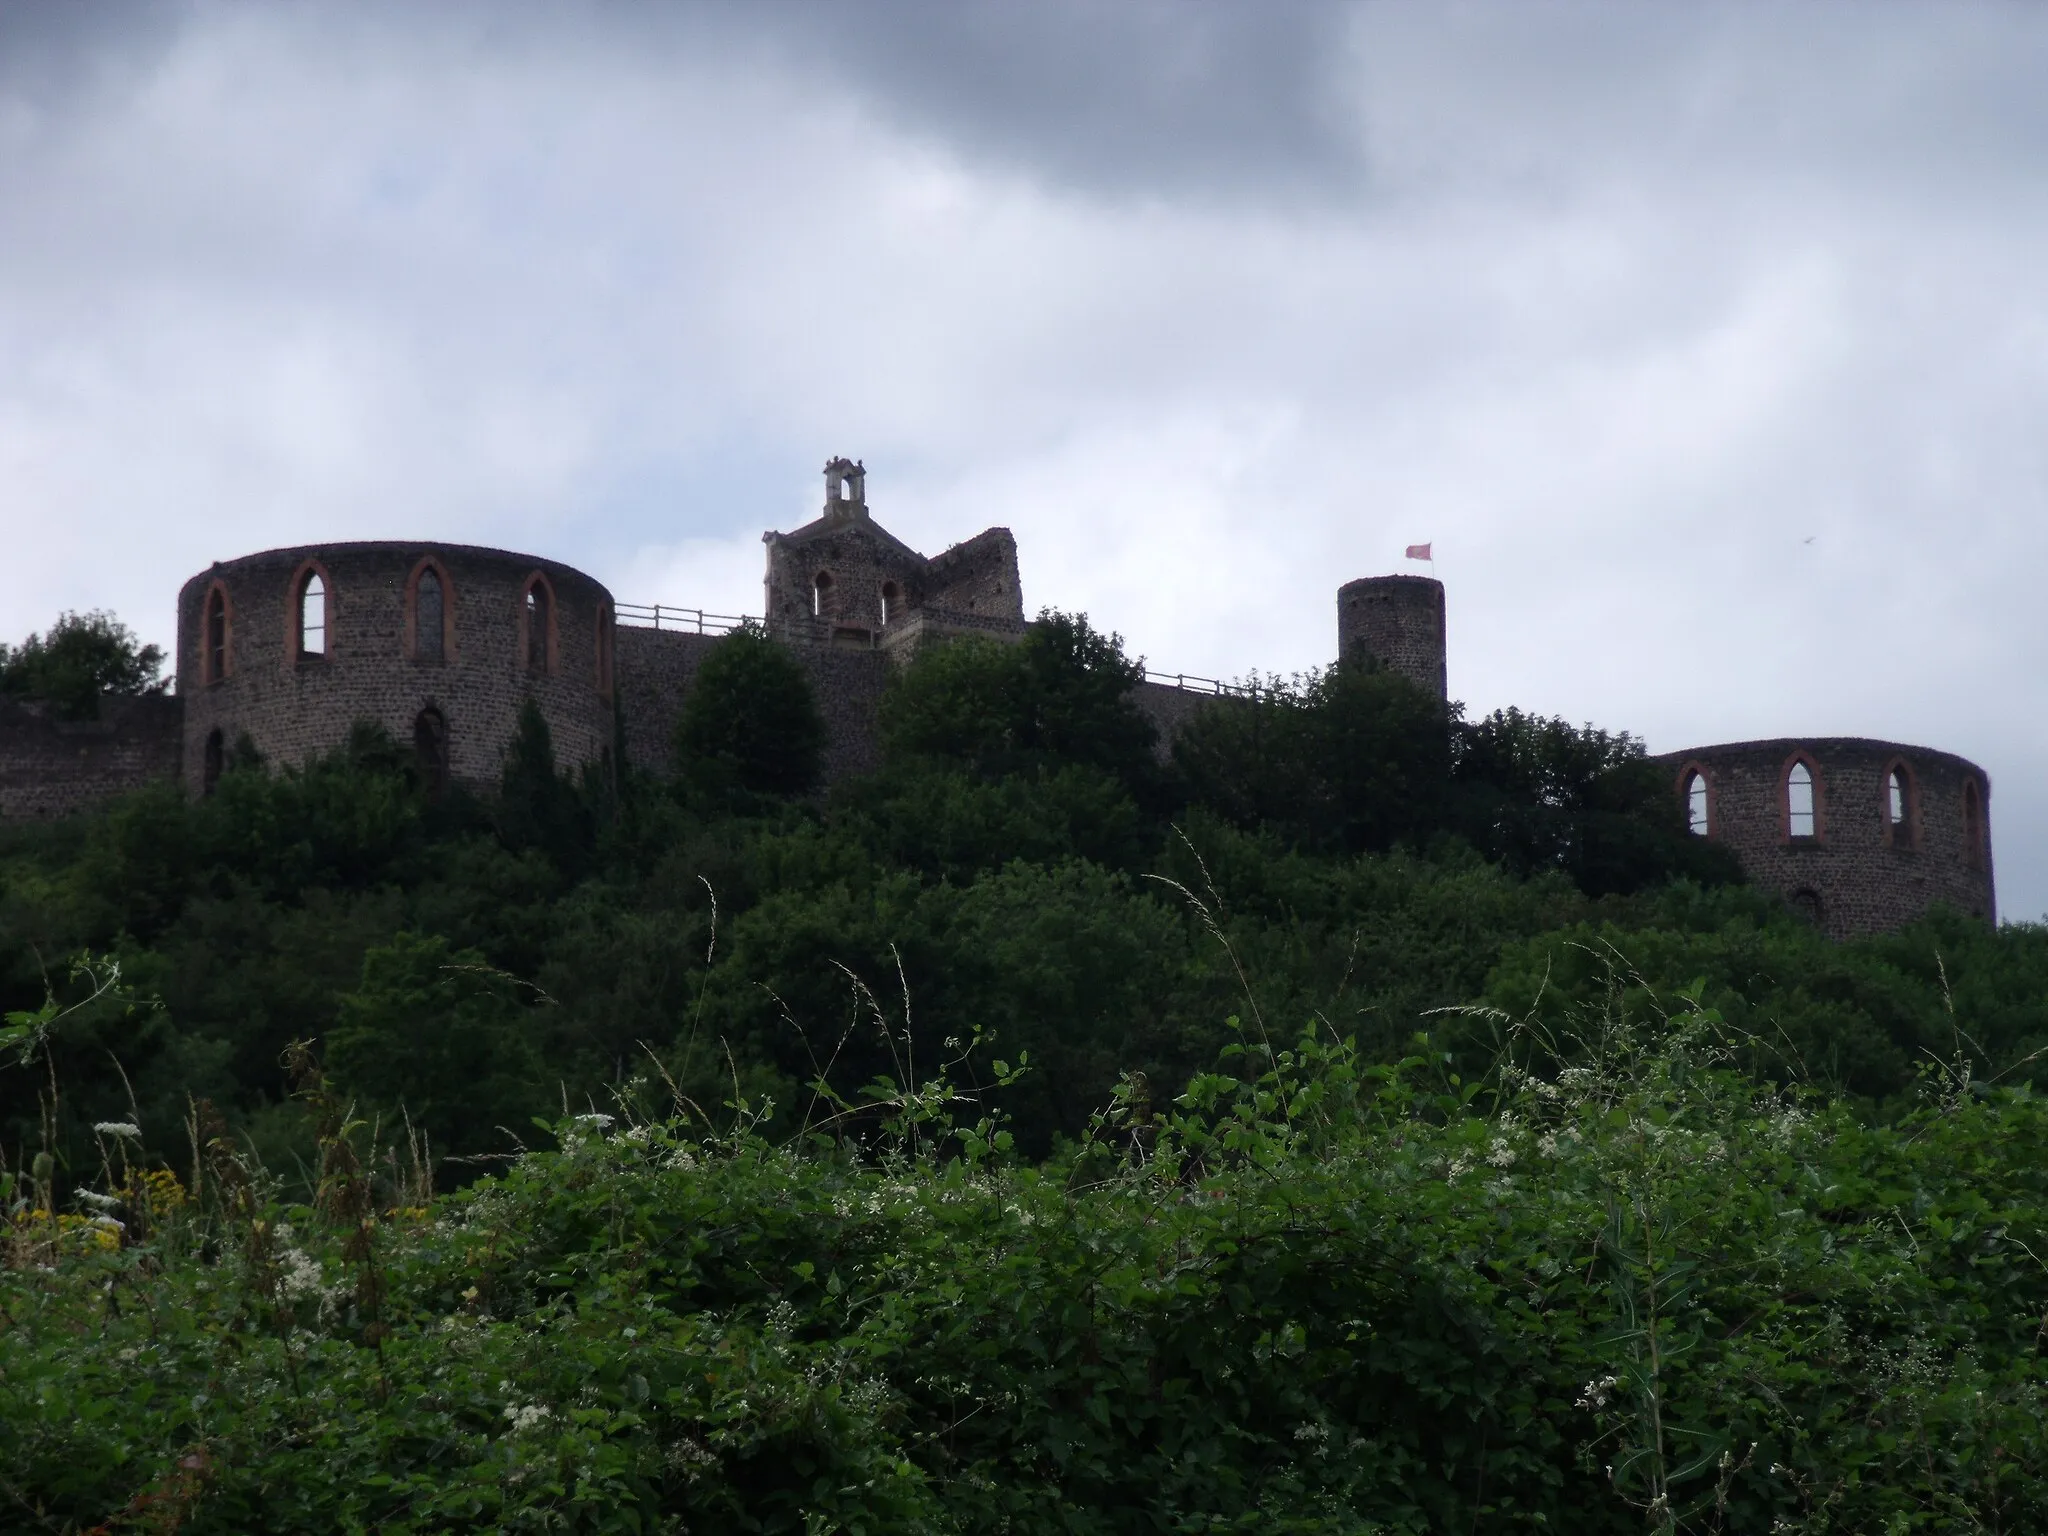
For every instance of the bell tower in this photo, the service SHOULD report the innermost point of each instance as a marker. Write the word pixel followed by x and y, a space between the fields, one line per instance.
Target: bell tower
pixel 846 489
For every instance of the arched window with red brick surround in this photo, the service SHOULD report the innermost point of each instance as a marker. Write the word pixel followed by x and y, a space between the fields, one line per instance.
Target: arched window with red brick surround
pixel 429 613
pixel 216 635
pixel 537 624
pixel 309 615
pixel 1899 805
pixel 1802 797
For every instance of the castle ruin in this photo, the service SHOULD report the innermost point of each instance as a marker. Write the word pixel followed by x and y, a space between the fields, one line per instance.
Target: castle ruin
pixel 443 645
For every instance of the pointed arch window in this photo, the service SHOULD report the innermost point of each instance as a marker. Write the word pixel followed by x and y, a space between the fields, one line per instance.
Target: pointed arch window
pixel 313 616
pixel 537 625
pixel 1696 803
pixel 310 615
pixel 1802 802
pixel 1901 807
pixel 429 613
pixel 216 639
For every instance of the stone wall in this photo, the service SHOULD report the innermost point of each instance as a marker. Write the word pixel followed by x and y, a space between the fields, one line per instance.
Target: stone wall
pixel 1170 709
pixel 1399 620
pixel 1857 874
pixel 376 667
pixel 657 667
pixel 977 577
pixel 51 767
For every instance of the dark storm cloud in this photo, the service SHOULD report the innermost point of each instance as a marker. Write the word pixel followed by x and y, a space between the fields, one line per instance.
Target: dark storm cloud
pixel 1146 96
pixel 1215 304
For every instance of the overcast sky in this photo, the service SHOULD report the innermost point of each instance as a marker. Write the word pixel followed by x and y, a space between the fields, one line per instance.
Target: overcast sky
pixel 1708 345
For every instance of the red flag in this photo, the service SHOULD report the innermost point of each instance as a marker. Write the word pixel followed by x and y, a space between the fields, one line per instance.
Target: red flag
pixel 1420 551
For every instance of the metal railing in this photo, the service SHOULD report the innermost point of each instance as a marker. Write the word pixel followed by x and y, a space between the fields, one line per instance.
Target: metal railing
pixel 696 621
pixel 687 621
pixel 1208 685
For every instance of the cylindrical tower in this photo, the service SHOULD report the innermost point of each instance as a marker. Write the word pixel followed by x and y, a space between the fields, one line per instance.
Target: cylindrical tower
pixel 441 644
pixel 1859 836
pixel 1398 620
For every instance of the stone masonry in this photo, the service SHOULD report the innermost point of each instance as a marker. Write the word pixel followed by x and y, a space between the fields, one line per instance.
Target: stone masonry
pixel 1858 870
pixel 443 644
pixel 51 767
pixel 511 628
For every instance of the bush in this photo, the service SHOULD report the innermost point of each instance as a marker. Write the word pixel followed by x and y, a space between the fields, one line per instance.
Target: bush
pixel 1621 1288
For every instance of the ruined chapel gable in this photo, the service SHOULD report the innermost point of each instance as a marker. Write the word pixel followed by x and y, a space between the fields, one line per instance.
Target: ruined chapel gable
pixel 844 580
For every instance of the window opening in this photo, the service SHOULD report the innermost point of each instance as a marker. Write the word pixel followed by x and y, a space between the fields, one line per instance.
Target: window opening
pixel 216 635
pixel 537 627
pixel 1897 797
pixel 1807 904
pixel 1799 800
pixel 430 747
pixel 1696 805
pixel 891 601
pixel 819 587
pixel 312 615
pixel 429 616
pixel 216 754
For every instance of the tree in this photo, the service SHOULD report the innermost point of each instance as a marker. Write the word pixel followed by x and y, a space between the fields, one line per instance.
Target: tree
pixel 1535 793
pixel 538 806
pixel 438 1033
pixel 81 658
pixel 749 725
pixel 1060 696
pixel 1351 758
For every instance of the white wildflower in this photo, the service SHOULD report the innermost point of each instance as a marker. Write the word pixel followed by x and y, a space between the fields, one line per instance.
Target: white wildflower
pixel 1315 1432
pixel 300 1275
pixel 127 1130
pixel 528 1416
pixel 1547 1144
pixel 595 1121
pixel 1501 1155
pixel 1595 1394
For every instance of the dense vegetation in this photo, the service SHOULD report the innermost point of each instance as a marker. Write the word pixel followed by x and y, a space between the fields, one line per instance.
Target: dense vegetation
pixel 891 1181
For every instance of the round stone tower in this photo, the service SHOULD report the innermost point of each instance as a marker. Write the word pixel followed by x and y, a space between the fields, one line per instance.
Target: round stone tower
pixel 441 644
pixel 1398 620
pixel 1859 836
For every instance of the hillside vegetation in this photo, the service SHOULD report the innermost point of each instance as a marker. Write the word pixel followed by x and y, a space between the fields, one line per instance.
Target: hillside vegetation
pixel 1360 1118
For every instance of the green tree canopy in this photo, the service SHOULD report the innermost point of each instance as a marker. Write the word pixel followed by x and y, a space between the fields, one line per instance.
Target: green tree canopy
pixel 749 724
pixel 1350 758
pixel 83 656
pixel 1062 695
